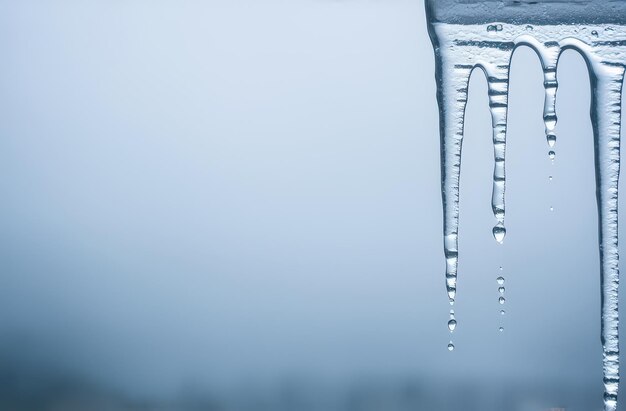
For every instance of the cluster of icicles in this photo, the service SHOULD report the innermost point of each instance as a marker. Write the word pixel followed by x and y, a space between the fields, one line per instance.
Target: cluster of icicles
pixel 459 49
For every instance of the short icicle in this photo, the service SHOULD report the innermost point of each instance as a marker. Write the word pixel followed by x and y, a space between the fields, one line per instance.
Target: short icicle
pixel 498 81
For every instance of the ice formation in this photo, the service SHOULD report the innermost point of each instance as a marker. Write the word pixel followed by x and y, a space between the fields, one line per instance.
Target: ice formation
pixel 469 34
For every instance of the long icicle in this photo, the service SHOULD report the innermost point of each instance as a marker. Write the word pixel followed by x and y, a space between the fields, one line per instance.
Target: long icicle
pixel 606 120
pixel 453 81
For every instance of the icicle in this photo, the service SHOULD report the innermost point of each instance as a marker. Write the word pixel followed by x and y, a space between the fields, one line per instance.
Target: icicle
pixel 606 120
pixel 498 81
pixel 453 82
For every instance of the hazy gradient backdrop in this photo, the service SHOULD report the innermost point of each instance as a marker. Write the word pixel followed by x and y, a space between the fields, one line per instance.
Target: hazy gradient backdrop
pixel 235 205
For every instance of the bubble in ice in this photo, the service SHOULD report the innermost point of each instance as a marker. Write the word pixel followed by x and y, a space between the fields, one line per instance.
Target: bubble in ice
pixel 501 290
pixel 501 300
pixel 499 232
pixel 451 325
pixel 494 27
pixel 450 346
pixel 500 280
pixel 551 138
pixel 594 33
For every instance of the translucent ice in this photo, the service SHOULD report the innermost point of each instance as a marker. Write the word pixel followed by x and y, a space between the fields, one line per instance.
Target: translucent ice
pixel 469 34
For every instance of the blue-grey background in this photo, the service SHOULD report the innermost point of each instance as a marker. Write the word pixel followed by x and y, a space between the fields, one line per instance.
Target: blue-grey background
pixel 235 205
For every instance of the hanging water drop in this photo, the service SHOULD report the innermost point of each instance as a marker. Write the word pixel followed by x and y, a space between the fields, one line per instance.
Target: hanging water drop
pixel 500 280
pixel 499 232
pixel 501 300
pixel 451 325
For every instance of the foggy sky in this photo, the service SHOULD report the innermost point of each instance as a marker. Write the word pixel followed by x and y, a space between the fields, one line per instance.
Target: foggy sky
pixel 221 193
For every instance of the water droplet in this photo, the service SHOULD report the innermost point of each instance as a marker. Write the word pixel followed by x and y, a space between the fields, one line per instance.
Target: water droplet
pixel 501 268
pixel 501 300
pixel 502 312
pixel 551 208
pixel 499 232
pixel 450 346
pixel 551 138
pixel 451 312
pixel 551 154
pixel 451 301
pixel 500 280
pixel 594 33
pixel 501 329
pixel 550 178
pixel 501 290
pixel 451 325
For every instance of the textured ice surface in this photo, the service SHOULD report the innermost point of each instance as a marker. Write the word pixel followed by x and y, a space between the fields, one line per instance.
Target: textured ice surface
pixel 526 11
pixel 468 34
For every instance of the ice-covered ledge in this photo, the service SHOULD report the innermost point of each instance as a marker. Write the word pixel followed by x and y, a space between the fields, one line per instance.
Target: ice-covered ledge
pixel 527 11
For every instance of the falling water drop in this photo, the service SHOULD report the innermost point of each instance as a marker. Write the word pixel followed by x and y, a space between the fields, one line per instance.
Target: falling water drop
pixel 500 280
pixel 451 325
pixel 551 154
pixel 502 312
pixel 501 300
pixel 501 329
pixel 450 346
pixel 551 208
pixel 451 313
pixel 551 138
pixel 550 178
pixel 499 232
pixel 501 290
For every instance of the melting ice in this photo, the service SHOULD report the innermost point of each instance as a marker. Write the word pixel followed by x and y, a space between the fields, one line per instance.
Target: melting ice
pixel 469 34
